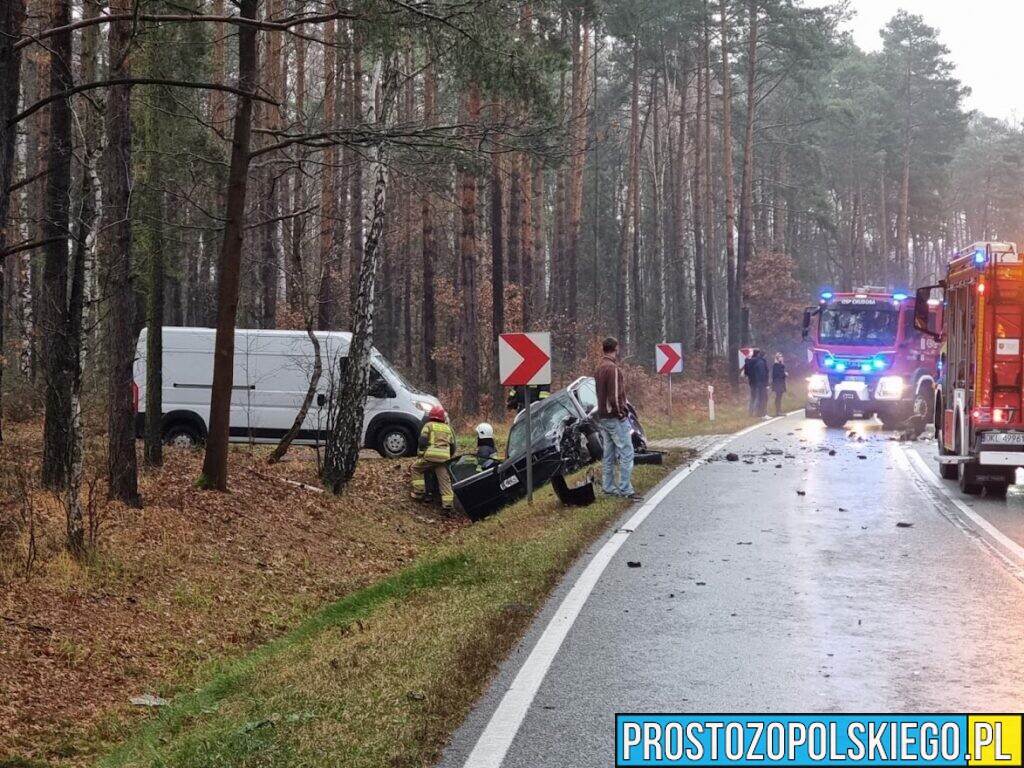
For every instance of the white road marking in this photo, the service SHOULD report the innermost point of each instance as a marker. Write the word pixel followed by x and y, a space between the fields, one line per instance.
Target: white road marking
pixel 1006 545
pixel 497 737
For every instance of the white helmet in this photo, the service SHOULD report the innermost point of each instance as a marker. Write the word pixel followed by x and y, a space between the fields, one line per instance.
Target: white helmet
pixel 484 430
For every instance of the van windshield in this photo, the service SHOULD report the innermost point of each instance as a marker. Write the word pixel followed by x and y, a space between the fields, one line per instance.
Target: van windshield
pixel 382 363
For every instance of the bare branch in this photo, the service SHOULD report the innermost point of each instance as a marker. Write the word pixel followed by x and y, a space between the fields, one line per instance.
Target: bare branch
pixel 133 81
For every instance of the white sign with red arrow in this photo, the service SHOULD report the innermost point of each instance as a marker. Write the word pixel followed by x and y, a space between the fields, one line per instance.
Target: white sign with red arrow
pixel 524 359
pixel 668 358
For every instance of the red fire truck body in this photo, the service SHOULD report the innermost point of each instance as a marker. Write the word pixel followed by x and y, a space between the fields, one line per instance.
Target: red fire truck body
pixel 979 421
pixel 868 358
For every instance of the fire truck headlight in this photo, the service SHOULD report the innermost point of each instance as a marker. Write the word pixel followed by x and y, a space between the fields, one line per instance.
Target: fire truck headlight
pixel 890 388
pixel 817 386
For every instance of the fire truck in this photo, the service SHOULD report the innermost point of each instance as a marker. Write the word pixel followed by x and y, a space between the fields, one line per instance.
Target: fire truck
pixel 979 424
pixel 868 359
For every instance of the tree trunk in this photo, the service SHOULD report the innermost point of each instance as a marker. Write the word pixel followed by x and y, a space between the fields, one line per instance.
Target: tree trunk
pixel 470 260
pixel 326 309
pixel 746 252
pixel 697 193
pixel 356 230
pixel 578 146
pixel 12 17
pixel 57 363
pixel 300 418
pixel 533 295
pixel 709 263
pixel 625 302
pixel 153 240
pixel 122 472
pixel 342 451
pixel 298 301
pixel 215 463
pixel 735 316
pixel 497 268
pixel 429 247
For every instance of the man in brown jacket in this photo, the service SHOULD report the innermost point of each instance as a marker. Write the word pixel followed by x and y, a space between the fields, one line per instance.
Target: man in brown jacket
pixel 613 419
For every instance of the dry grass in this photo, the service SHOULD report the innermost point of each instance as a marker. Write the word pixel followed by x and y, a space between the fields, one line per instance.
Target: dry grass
pixel 383 677
pixel 192 577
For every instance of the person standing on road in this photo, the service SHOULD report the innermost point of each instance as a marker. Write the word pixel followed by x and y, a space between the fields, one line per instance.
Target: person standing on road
pixel 778 382
pixel 761 377
pixel 752 371
pixel 612 413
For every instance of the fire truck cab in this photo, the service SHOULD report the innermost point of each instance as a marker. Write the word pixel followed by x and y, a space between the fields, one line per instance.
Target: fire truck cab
pixel 868 359
pixel 979 423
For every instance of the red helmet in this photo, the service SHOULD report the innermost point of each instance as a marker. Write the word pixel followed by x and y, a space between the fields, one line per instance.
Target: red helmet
pixel 438 413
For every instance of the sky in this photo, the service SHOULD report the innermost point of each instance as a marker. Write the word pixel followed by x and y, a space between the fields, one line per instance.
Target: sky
pixel 983 37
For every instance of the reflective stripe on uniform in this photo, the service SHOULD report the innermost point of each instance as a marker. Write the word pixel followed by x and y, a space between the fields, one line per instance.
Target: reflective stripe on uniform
pixel 440 439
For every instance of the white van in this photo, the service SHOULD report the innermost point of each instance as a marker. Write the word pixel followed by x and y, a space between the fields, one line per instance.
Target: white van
pixel 272 373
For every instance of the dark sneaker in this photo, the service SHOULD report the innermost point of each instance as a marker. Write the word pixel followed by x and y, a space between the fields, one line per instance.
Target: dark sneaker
pixel 635 497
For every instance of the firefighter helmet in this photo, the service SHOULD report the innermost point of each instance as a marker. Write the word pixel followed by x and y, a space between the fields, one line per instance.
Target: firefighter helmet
pixel 438 413
pixel 484 430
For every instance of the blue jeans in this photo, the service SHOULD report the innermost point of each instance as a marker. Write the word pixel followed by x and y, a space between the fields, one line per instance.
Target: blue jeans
pixel 618 449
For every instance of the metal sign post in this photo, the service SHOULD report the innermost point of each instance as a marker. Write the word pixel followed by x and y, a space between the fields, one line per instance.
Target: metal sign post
pixel 670 399
pixel 711 403
pixel 524 360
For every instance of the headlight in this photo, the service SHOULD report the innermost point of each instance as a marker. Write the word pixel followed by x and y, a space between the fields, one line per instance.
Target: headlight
pixel 817 386
pixel 890 388
pixel 424 405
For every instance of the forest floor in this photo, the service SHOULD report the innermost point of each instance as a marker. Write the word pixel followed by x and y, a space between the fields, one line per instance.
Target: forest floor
pixel 232 606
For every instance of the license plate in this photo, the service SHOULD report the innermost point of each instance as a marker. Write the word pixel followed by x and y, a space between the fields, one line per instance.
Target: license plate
pixel 1004 438
pixel 858 379
pixel 508 482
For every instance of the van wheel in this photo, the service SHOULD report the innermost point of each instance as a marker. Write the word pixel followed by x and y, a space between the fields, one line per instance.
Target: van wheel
pixel 394 442
pixel 181 434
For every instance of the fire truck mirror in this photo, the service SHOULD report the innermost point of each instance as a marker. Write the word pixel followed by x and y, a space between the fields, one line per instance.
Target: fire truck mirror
pixel 926 319
pixel 806 331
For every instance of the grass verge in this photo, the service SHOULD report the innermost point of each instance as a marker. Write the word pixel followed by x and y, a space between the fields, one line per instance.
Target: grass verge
pixel 384 676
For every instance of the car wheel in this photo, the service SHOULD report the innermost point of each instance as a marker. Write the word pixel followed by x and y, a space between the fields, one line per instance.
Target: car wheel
pixel 394 442
pixel 182 434
pixel 595 445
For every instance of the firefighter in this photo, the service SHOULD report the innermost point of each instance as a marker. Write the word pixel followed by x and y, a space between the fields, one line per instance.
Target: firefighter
pixel 436 447
pixel 516 400
pixel 486 450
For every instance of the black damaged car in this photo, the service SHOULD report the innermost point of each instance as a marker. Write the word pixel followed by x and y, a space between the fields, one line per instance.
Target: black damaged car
pixel 565 439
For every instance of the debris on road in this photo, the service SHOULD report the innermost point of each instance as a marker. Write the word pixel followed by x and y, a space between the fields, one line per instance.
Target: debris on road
pixel 801 493
pixel 633 564
pixel 731 457
pixel 904 525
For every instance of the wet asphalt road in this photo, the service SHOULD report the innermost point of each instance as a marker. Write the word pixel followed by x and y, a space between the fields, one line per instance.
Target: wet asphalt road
pixel 789 581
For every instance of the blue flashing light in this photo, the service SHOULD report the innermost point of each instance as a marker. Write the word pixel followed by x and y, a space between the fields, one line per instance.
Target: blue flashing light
pixel 866 367
pixel 827 295
pixel 829 362
pixel 979 256
pixel 840 367
pixel 878 363
pixel 900 297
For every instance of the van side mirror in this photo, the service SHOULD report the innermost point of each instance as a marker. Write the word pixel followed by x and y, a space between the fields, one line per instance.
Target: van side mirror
pixel 925 299
pixel 321 400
